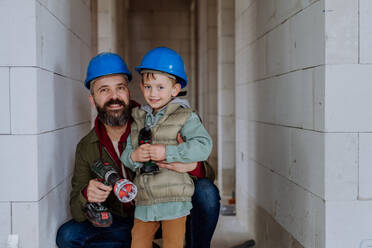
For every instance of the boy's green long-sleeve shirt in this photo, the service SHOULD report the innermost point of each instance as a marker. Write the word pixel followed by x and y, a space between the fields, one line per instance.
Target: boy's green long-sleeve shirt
pixel 198 144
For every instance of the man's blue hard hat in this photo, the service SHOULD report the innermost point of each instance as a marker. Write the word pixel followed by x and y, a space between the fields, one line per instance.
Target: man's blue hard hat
pixel 165 60
pixel 106 64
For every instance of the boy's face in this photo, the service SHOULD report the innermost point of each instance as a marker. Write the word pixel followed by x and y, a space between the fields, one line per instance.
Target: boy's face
pixel 158 91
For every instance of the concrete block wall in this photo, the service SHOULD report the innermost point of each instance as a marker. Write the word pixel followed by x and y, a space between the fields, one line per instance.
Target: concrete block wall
pixel 225 94
pixel 45 112
pixel 303 141
pixel 347 97
pixel 279 101
pixel 158 23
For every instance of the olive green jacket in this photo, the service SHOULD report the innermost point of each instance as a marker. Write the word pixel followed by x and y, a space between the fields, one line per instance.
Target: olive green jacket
pixel 87 151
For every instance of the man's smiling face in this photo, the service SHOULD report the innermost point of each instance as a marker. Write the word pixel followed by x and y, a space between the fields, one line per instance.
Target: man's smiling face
pixel 110 95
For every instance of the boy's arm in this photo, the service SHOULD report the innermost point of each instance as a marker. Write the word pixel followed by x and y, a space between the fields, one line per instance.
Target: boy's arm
pixel 126 157
pixel 197 145
pixel 196 170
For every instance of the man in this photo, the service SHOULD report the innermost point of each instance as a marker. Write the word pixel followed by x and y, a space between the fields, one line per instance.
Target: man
pixel 107 79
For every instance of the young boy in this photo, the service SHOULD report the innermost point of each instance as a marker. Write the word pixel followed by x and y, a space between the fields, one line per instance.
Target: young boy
pixel 165 195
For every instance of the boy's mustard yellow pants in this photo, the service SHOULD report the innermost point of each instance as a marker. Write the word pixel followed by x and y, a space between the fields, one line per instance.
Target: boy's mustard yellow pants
pixel 173 232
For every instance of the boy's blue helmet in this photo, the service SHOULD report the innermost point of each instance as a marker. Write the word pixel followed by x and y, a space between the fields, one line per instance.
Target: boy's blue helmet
pixel 106 64
pixel 165 60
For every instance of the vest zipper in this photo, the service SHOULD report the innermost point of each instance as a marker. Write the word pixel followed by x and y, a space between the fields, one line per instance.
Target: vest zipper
pixel 148 190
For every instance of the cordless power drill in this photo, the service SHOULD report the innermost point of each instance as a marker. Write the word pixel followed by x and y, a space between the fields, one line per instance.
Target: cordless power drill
pixel 124 190
pixel 144 137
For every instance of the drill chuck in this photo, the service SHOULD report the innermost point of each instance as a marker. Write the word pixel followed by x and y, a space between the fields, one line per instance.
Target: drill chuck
pixel 124 189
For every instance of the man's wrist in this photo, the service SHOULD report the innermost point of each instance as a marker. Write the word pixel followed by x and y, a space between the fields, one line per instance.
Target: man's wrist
pixel 198 171
pixel 84 192
pixel 132 157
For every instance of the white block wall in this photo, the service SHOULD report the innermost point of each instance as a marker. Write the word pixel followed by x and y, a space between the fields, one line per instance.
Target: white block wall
pixel 347 98
pixel 5 229
pixel 303 120
pixel 45 111
pixel 279 74
pixel 5 100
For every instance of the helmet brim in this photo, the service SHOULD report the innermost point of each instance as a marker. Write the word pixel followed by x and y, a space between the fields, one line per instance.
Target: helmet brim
pixel 88 81
pixel 179 80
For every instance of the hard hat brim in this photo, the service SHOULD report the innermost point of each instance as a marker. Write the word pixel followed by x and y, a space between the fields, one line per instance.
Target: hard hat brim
pixel 88 81
pixel 179 80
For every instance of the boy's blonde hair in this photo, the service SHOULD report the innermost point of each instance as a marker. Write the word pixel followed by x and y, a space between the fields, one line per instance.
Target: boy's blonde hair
pixel 147 75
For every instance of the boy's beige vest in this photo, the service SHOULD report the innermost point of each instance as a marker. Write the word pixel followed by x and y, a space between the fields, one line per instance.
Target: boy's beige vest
pixel 166 185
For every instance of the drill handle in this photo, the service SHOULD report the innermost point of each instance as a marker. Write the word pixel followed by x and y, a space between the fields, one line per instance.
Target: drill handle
pixel 144 136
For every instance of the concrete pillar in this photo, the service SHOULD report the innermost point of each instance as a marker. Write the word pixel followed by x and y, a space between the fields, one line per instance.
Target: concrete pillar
pixel 159 23
pixel 192 88
pixel 112 27
pixel 225 96
pixel 207 70
pixel 45 112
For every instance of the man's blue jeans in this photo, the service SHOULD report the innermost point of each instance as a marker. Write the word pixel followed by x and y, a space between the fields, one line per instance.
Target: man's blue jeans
pixel 199 231
pixel 203 218
pixel 83 234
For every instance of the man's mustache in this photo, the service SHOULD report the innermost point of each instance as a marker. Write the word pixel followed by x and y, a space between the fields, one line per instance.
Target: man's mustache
pixel 113 118
pixel 114 101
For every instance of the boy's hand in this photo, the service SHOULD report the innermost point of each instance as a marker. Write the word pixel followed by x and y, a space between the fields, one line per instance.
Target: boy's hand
pixel 157 152
pixel 141 154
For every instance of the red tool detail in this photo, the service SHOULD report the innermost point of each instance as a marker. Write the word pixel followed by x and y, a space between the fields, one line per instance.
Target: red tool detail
pixel 104 215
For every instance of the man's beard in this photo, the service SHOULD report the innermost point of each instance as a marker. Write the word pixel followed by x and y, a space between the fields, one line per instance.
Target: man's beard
pixel 113 118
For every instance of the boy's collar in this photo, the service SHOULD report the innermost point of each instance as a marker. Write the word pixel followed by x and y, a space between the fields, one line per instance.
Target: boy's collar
pixel 182 102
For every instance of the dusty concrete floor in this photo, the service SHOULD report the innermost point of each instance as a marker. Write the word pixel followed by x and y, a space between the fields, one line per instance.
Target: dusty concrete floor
pixel 228 233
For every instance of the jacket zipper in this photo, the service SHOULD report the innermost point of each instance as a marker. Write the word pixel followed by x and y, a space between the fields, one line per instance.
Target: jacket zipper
pixel 104 148
pixel 119 167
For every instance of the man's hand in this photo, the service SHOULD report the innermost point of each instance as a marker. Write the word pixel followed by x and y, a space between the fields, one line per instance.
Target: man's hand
pixel 178 166
pixel 141 154
pixel 179 139
pixel 97 191
pixel 157 152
